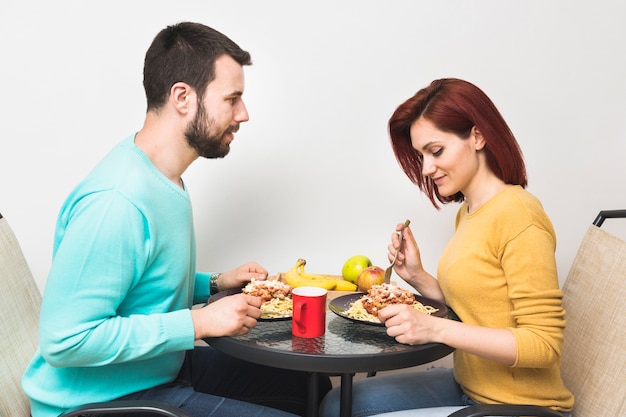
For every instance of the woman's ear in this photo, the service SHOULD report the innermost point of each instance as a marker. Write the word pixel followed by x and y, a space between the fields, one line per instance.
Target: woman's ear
pixel 477 137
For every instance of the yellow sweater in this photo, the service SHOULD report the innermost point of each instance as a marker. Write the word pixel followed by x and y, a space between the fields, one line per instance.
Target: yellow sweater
pixel 499 271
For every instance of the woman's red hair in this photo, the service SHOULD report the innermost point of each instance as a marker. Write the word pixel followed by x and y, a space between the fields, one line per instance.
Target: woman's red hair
pixel 455 106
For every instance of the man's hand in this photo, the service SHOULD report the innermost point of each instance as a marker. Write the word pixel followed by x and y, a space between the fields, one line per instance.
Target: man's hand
pixel 239 277
pixel 229 316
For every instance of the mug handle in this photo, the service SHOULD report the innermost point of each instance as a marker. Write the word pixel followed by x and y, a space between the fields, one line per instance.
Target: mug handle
pixel 297 315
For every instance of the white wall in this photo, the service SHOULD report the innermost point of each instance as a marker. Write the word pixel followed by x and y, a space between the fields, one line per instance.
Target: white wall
pixel 312 174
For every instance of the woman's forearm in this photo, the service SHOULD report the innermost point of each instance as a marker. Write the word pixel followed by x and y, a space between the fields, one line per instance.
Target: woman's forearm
pixel 494 344
pixel 428 286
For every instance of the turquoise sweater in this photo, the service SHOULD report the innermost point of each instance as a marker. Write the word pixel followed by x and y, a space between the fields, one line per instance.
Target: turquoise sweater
pixel 115 315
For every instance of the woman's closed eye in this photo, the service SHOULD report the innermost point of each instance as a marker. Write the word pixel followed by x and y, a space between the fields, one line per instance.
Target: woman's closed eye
pixel 434 152
pixel 437 151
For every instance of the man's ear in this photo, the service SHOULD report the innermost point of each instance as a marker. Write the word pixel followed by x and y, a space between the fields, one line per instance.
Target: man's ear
pixel 477 137
pixel 182 96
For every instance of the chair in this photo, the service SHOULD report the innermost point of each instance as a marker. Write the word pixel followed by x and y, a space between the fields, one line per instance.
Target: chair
pixel 594 356
pixel 19 313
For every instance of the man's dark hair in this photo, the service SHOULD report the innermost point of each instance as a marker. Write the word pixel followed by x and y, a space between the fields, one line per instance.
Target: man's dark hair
pixel 185 52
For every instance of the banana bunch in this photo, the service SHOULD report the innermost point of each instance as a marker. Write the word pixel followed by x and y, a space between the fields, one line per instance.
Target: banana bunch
pixel 298 277
pixel 343 285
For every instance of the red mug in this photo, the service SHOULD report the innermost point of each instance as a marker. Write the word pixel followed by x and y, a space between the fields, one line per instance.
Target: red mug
pixel 309 311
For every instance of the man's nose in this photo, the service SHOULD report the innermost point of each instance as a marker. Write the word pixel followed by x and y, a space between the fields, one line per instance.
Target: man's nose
pixel 241 113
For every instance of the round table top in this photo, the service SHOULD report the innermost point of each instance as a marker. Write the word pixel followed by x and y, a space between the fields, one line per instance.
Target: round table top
pixel 346 347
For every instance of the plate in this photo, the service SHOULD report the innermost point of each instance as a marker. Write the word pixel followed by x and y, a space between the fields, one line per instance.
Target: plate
pixel 233 291
pixel 340 304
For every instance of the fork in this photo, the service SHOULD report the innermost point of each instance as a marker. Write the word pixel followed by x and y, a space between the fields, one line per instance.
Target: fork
pixel 390 268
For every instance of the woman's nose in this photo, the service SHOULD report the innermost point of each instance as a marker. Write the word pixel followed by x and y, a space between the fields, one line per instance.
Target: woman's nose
pixel 428 167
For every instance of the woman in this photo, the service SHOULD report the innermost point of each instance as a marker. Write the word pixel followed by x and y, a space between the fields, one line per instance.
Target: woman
pixel 498 272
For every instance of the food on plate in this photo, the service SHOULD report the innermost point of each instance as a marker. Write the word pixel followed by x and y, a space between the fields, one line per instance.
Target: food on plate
pixel 382 295
pixel 298 277
pixel 379 296
pixel 353 267
pixel 267 289
pixel 276 296
pixel 370 276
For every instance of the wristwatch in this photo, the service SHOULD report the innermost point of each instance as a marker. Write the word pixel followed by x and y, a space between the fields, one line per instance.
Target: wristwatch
pixel 213 283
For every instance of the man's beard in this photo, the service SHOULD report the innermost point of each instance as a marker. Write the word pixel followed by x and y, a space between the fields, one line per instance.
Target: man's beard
pixel 199 136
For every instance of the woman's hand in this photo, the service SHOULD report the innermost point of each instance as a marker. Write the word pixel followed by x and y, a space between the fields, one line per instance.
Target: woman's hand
pixel 413 327
pixel 406 324
pixel 409 266
pixel 409 262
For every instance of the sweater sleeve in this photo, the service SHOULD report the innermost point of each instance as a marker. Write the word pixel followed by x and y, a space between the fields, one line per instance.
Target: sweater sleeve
pixel 202 291
pixel 100 306
pixel 530 268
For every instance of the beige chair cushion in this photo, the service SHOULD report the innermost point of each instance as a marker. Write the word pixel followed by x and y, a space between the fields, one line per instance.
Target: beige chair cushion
pixel 20 300
pixel 594 353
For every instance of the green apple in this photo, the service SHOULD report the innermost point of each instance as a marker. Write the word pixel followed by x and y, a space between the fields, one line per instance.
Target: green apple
pixel 353 267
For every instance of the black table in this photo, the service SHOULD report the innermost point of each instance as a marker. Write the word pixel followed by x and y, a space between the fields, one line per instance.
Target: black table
pixel 347 347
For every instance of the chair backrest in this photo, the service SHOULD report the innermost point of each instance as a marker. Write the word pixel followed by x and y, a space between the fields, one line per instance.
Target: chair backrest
pixel 594 353
pixel 20 302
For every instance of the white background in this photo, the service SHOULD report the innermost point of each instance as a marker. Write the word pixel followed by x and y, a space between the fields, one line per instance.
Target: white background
pixel 312 173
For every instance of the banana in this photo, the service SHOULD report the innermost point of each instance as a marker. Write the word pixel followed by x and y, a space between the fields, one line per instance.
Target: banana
pixel 297 277
pixel 343 285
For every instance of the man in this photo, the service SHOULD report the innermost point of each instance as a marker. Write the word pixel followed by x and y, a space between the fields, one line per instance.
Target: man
pixel 116 319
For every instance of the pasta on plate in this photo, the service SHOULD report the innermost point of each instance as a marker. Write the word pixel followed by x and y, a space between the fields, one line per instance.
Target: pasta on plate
pixel 379 296
pixel 276 297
